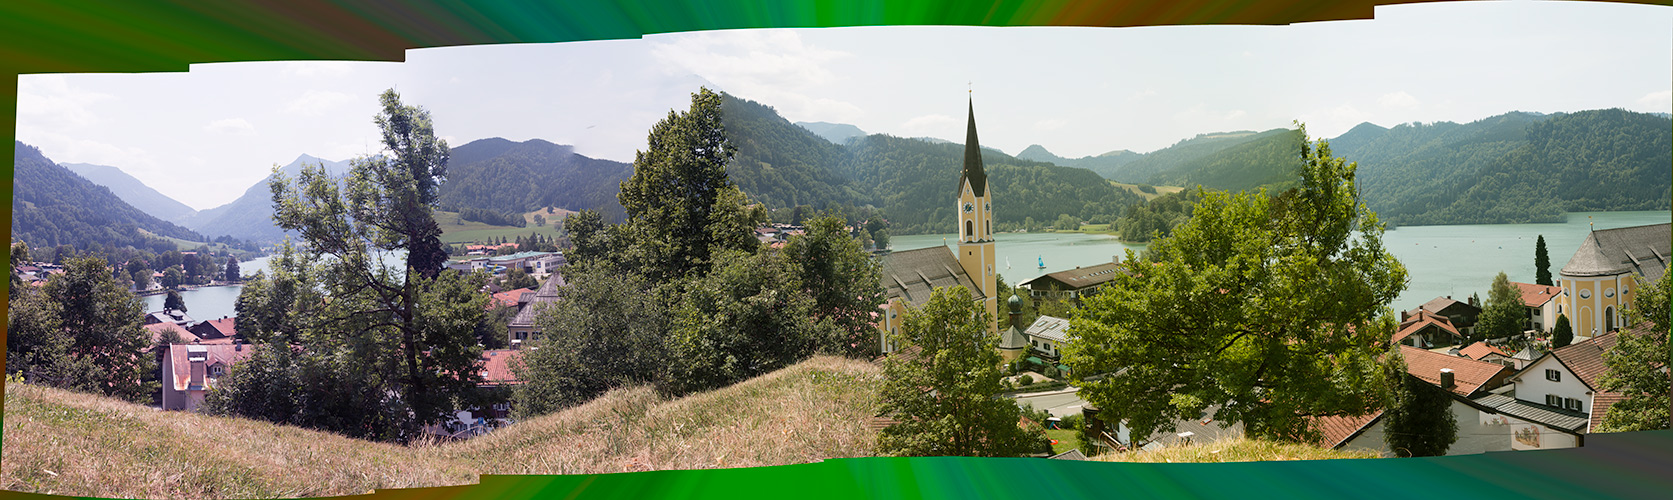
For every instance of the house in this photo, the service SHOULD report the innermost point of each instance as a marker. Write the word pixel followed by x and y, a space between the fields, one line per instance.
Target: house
pixel 189 371
pixel 910 277
pixel 1599 279
pixel 1072 284
pixel 1426 330
pixel 497 376
pixel 1568 378
pixel 1462 315
pixel 509 298
pixel 1542 304
pixel 168 316
pixel 1486 420
pixel 215 329
pixel 158 330
pixel 1048 334
pixel 1481 351
pixel 523 327
pixel 546 265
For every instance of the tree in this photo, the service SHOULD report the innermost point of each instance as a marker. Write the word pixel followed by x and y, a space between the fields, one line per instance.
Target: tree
pixel 518 278
pixel 945 395
pixel 603 332
pixel 102 320
pixel 402 341
pixel 539 220
pixel 1542 263
pixel 1286 315
pixel 173 277
pixel 1505 315
pixel 845 282
pixel 1562 334
pixel 681 207
pixel 174 301
pixel 1638 363
pixel 1418 421
pixel 751 315
pixel 232 272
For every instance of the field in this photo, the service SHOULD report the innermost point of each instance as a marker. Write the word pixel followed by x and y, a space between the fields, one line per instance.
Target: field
pixel 67 443
pixel 1160 190
pixel 456 231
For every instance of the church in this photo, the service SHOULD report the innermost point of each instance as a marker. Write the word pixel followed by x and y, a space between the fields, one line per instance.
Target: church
pixel 909 277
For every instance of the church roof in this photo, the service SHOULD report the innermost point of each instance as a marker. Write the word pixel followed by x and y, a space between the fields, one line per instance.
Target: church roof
pixel 973 171
pixel 912 275
pixel 1639 249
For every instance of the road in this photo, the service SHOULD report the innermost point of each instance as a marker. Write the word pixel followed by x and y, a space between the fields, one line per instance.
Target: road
pixel 1059 403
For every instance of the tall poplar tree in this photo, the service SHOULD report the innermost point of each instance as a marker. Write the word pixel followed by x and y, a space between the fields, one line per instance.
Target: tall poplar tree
pixel 1542 262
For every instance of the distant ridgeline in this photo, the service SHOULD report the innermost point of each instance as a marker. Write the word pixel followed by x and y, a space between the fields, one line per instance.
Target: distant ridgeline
pixel 1513 168
pixel 53 206
pixel 781 164
pixel 512 178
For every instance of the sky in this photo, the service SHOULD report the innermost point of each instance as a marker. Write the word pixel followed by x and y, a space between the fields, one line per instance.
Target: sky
pixel 205 136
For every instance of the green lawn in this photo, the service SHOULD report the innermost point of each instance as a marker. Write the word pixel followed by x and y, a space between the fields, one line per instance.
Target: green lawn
pixel 1066 440
pixel 453 231
pixel 1160 190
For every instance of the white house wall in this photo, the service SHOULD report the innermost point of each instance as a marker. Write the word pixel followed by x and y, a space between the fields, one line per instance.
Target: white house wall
pixel 1531 385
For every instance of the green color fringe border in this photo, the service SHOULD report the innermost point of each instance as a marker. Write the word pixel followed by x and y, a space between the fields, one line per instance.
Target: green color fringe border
pixel 71 36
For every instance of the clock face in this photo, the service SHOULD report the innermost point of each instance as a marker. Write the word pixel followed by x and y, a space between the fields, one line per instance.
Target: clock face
pixel 1585 294
pixel 969 207
pixel 987 207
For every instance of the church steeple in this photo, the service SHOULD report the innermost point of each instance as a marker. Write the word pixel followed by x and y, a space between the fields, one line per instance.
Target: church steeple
pixel 973 172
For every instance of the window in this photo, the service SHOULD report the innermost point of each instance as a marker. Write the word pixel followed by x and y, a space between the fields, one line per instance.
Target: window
pixel 970 228
pixel 217 371
pixel 1571 403
pixel 1553 400
pixel 1553 375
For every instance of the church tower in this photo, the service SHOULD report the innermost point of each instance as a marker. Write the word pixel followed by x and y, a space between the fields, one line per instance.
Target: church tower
pixel 975 221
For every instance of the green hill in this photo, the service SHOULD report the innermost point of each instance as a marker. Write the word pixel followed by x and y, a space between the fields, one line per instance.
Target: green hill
pixel 1143 169
pixel 1269 159
pixel 1513 168
pixel 516 177
pixel 1105 165
pixel 53 206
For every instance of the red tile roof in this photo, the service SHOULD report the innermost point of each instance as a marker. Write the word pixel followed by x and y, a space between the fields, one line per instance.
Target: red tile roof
pixel 1480 350
pixel 1337 430
pixel 1536 295
pixel 1585 359
pixel 507 298
pixel 496 366
pixel 1468 375
pixel 1600 407
pixel 1419 320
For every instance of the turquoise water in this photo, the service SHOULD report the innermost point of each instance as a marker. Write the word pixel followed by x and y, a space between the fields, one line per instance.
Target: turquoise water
pixel 1440 260
pixel 217 301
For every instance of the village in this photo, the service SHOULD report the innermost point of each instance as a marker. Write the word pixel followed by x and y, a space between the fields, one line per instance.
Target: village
pixel 1526 392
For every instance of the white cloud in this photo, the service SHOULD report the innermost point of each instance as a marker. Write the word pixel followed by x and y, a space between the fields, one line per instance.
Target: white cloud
pixel 1049 124
pixel 930 125
pixel 49 101
pixel 317 102
pixel 1334 121
pixel 1235 114
pixel 1143 94
pixel 1397 100
pixel 770 66
pixel 319 68
pixel 231 126
pixel 1660 101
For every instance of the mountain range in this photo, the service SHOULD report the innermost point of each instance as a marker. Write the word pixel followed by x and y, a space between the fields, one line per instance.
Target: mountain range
pixel 1515 167
pixel 53 206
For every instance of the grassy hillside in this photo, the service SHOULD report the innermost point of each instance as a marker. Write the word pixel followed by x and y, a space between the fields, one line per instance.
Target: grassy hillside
pixel 1160 190
pixel 1234 450
pixel 454 230
pixel 74 444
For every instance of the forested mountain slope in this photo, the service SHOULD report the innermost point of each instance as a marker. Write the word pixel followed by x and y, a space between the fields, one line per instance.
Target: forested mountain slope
pixel 515 177
pixel 53 206
pixel 133 191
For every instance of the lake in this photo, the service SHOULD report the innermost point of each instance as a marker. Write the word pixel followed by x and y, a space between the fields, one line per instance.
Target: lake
pixel 1440 260
pixel 214 302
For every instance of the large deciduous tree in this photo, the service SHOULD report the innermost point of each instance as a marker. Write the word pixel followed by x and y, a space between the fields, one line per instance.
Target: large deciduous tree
pixel 749 316
pixel 1504 314
pixel 102 320
pixel 844 281
pixel 399 340
pixel 944 395
pixel 681 207
pixel 1638 363
pixel 603 332
pixel 1265 306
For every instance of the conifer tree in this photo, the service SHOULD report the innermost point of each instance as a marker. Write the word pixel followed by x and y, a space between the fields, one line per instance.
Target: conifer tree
pixel 1542 263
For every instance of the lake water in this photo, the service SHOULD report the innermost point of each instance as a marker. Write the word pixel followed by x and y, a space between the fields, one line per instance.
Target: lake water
pixel 214 302
pixel 1440 260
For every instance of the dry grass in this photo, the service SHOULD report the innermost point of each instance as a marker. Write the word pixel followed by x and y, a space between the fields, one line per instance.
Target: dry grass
pixel 75 444
pixel 1233 450
pixel 809 412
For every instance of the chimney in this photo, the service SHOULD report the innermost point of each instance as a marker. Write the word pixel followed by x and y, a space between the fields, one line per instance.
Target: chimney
pixel 199 356
pixel 1404 315
pixel 1446 379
